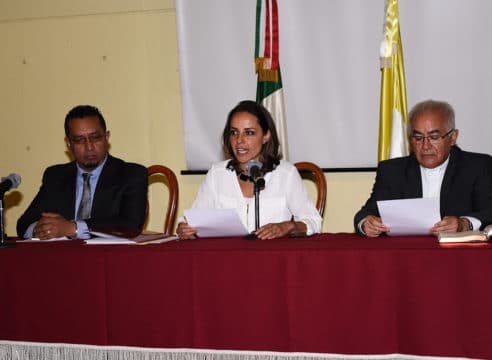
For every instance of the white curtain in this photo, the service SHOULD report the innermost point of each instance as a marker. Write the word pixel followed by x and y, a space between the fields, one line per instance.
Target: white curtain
pixel 329 53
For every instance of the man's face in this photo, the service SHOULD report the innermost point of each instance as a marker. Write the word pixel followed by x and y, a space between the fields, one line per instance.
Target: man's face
pixel 429 141
pixel 88 142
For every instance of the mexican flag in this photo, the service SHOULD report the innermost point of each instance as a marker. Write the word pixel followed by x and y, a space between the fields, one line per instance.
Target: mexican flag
pixel 269 90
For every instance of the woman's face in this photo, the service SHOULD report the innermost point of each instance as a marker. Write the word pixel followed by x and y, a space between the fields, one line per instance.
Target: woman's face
pixel 246 137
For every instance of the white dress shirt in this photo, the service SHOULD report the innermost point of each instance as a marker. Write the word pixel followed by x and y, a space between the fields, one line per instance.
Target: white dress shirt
pixel 284 196
pixel 431 187
pixel 432 180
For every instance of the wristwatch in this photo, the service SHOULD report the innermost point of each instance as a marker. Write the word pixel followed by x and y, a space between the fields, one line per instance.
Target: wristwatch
pixel 76 231
pixel 467 221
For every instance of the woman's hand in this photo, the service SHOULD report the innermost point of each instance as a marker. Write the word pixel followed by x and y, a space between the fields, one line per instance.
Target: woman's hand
pixel 272 231
pixel 185 231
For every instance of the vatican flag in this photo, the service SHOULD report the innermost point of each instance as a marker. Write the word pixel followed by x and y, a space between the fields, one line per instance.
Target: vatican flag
pixel 393 140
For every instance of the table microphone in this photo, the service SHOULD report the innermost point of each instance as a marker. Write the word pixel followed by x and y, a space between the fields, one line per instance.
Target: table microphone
pixel 9 182
pixel 256 175
pixel 254 172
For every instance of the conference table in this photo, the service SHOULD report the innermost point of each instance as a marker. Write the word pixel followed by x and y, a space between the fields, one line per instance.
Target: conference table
pixel 326 294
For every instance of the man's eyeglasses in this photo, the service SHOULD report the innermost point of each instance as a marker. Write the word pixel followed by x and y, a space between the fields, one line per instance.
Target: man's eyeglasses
pixel 82 140
pixel 433 138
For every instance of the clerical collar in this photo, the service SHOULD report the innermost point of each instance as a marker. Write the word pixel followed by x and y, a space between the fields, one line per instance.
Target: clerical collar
pixel 432 180
pixel 437 170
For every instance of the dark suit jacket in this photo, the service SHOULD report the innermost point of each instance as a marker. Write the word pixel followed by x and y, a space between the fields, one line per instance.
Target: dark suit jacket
pixel 119 199
pixel 466 188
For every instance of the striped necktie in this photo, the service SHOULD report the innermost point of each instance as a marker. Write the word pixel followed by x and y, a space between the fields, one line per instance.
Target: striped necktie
pixel 84 211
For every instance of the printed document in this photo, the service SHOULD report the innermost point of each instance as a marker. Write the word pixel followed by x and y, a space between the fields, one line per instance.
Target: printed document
pixel 409 216
pixel 215 222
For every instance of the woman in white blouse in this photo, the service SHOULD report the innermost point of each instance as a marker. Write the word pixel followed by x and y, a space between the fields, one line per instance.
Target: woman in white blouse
pixel 285 206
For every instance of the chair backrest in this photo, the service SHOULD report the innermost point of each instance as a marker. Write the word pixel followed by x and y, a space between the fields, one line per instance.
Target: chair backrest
pixel 172 183
pixel 311 171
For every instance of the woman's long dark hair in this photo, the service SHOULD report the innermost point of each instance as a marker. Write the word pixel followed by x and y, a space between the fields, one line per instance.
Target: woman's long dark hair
pixel 270 155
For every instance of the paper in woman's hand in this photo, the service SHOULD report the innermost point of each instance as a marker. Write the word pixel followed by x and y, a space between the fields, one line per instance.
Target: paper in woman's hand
pixel 215 222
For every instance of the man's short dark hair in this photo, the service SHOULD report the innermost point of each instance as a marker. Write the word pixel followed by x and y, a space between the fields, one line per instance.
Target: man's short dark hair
pixel 83 111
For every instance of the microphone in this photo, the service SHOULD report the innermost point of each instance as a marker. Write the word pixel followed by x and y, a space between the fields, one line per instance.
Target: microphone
pixel 255 173
pixel 9 182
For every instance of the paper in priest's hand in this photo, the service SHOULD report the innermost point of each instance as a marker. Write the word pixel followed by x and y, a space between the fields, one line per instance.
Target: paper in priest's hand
pixel 215 222
pixel 410 216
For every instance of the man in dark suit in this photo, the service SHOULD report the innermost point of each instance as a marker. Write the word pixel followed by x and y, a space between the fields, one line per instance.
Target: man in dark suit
pixel 437 167
pixel 96 191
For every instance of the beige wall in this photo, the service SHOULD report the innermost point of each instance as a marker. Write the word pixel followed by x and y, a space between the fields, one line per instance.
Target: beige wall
pixel 120 55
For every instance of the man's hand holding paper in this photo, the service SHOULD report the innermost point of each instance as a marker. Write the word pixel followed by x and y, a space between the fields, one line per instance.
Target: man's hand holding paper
pixel 410 216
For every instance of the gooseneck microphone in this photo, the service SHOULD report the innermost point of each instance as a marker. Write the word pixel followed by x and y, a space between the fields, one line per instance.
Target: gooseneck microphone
pixel 254 172
pixel 256 175
pixel 9 182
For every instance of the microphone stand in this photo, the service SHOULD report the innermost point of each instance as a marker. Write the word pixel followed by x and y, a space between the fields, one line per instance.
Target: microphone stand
pixel 3 239
pixel 258 185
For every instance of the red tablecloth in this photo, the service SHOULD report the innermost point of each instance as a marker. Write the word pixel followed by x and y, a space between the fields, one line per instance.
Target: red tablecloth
pixel 331 293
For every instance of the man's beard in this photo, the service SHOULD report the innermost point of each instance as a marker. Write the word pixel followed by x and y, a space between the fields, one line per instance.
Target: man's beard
pixel 90 165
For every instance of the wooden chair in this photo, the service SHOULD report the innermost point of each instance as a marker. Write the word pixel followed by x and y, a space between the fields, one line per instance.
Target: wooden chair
pixel 311 171
pixel 167 175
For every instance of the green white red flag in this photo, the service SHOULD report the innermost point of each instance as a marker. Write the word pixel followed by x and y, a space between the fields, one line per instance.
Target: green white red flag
pixel 269 90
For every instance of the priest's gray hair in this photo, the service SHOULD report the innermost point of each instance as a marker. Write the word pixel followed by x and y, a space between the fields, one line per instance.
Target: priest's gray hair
pixel 431 106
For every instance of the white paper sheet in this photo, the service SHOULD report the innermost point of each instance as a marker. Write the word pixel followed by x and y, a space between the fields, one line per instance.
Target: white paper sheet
pixel 101 238
pixel 146 237
pixel 215 222
pixel 409 216
pixel 35 239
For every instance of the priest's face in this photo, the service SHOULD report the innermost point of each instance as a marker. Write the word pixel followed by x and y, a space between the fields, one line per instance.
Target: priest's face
pixel 432 139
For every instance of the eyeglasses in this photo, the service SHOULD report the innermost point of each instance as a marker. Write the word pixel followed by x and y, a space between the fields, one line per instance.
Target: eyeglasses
pixel 92 138
pixel 433 139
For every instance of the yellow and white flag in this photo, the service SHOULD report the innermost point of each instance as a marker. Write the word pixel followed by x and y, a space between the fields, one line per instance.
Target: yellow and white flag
pixel 393 140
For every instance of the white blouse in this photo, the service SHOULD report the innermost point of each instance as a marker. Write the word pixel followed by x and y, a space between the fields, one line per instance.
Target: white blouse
pixel 284 196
